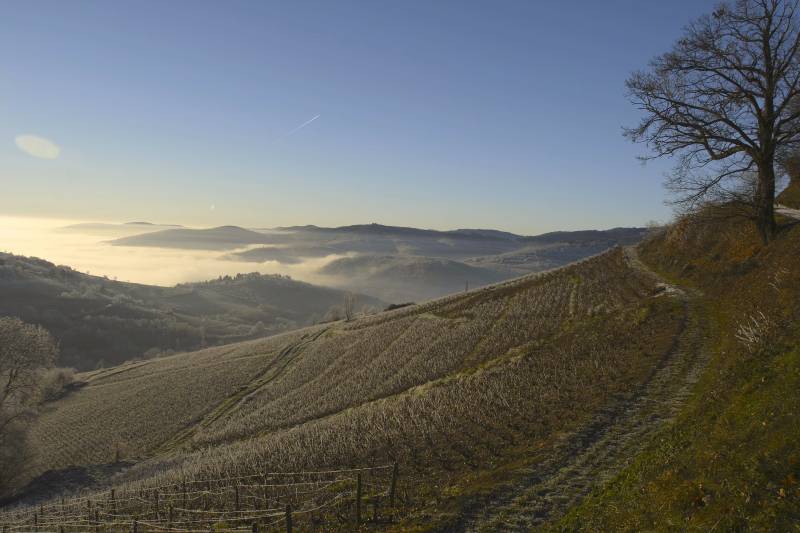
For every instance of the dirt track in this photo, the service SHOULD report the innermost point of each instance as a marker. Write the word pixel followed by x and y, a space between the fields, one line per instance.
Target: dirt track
pixel 788 211
pixel 587 458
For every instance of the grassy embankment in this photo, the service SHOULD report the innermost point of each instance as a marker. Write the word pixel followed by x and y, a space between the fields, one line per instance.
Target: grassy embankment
pixel 731 460
pixel 790 197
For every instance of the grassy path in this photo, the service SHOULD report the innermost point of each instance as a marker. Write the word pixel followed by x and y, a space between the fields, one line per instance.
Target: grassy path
pixel 587 458
pixel 787 211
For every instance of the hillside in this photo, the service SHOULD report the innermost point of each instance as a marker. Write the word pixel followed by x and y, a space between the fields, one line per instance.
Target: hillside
pixel 221 238
pixel 459 391
pixel 730 460
pixel 790 196
pixel 408 278
pixel 293 244
pixel 591 397
pixel 98 321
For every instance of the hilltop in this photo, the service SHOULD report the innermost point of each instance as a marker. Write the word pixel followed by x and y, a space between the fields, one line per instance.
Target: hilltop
pixel 220 238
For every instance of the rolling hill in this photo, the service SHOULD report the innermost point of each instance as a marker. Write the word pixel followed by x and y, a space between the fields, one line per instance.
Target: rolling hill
pixel 397 264
pixel 408 278
pixel 591 397
pixel 452 390
pixel 220 238
pixel 292 244
pixel 100 321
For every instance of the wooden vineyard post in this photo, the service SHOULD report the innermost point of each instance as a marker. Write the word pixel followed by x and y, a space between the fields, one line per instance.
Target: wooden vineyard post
pixel 358 499
pixel 96 521
pixel 184 493
pixel 375 509
pixel 113 502
pixel 169 522
pixel 288 518
pixel 255 527
pixel 155 503
pixel 236 494
pixel 393 485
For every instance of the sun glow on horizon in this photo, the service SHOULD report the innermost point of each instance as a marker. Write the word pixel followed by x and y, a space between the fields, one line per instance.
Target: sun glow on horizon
pixel 87 250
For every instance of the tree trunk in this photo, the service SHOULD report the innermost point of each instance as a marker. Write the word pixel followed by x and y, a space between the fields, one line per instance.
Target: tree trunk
pixel 765 203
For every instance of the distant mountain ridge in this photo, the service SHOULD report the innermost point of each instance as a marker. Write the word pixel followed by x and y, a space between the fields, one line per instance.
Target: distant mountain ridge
pixel 222 237
pixel 397 263
pixel 185 237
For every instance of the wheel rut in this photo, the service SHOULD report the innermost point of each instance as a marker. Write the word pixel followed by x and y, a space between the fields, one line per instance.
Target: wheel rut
pixel 588 458
pixel 287 355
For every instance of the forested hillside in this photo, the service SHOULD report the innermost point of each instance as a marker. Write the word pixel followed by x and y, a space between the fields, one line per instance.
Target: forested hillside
pixel 101 322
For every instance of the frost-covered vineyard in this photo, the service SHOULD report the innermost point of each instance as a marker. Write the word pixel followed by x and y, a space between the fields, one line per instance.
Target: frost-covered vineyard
pixel 442 388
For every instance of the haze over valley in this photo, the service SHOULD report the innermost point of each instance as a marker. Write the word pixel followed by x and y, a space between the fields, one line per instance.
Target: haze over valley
pixel 431 267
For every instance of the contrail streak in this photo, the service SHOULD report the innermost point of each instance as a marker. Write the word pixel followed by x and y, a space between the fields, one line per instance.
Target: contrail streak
pixel 303 125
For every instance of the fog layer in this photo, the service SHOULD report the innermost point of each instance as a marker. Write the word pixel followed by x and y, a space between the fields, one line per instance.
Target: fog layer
pixel 86 249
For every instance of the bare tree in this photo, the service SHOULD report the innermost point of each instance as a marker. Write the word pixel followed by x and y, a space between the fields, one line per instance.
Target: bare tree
pixel 349 305
pixel 723 102
pixel 25 350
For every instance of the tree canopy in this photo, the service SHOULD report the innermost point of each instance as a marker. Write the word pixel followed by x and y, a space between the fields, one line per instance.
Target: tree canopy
pixel 723 102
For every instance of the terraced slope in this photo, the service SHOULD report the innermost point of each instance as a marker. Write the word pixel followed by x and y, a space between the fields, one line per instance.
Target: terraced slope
pixel 453 389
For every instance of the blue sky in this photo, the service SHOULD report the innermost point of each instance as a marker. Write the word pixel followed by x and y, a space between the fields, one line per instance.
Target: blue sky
pixel 430 114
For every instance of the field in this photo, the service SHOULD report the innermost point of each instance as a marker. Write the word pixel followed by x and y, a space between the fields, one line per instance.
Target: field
pixel 450 390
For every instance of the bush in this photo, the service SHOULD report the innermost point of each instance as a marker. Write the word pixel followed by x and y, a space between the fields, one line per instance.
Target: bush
pixel 56 382
pixel 25 350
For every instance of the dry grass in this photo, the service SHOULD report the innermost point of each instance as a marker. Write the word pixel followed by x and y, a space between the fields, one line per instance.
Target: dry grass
pixel 730 460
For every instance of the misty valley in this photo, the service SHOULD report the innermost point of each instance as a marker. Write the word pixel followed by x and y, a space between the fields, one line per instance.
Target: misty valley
pixel 408 267
pixel 99 321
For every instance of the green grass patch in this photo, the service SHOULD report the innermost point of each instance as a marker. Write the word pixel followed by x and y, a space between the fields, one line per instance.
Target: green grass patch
pixel 731 460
